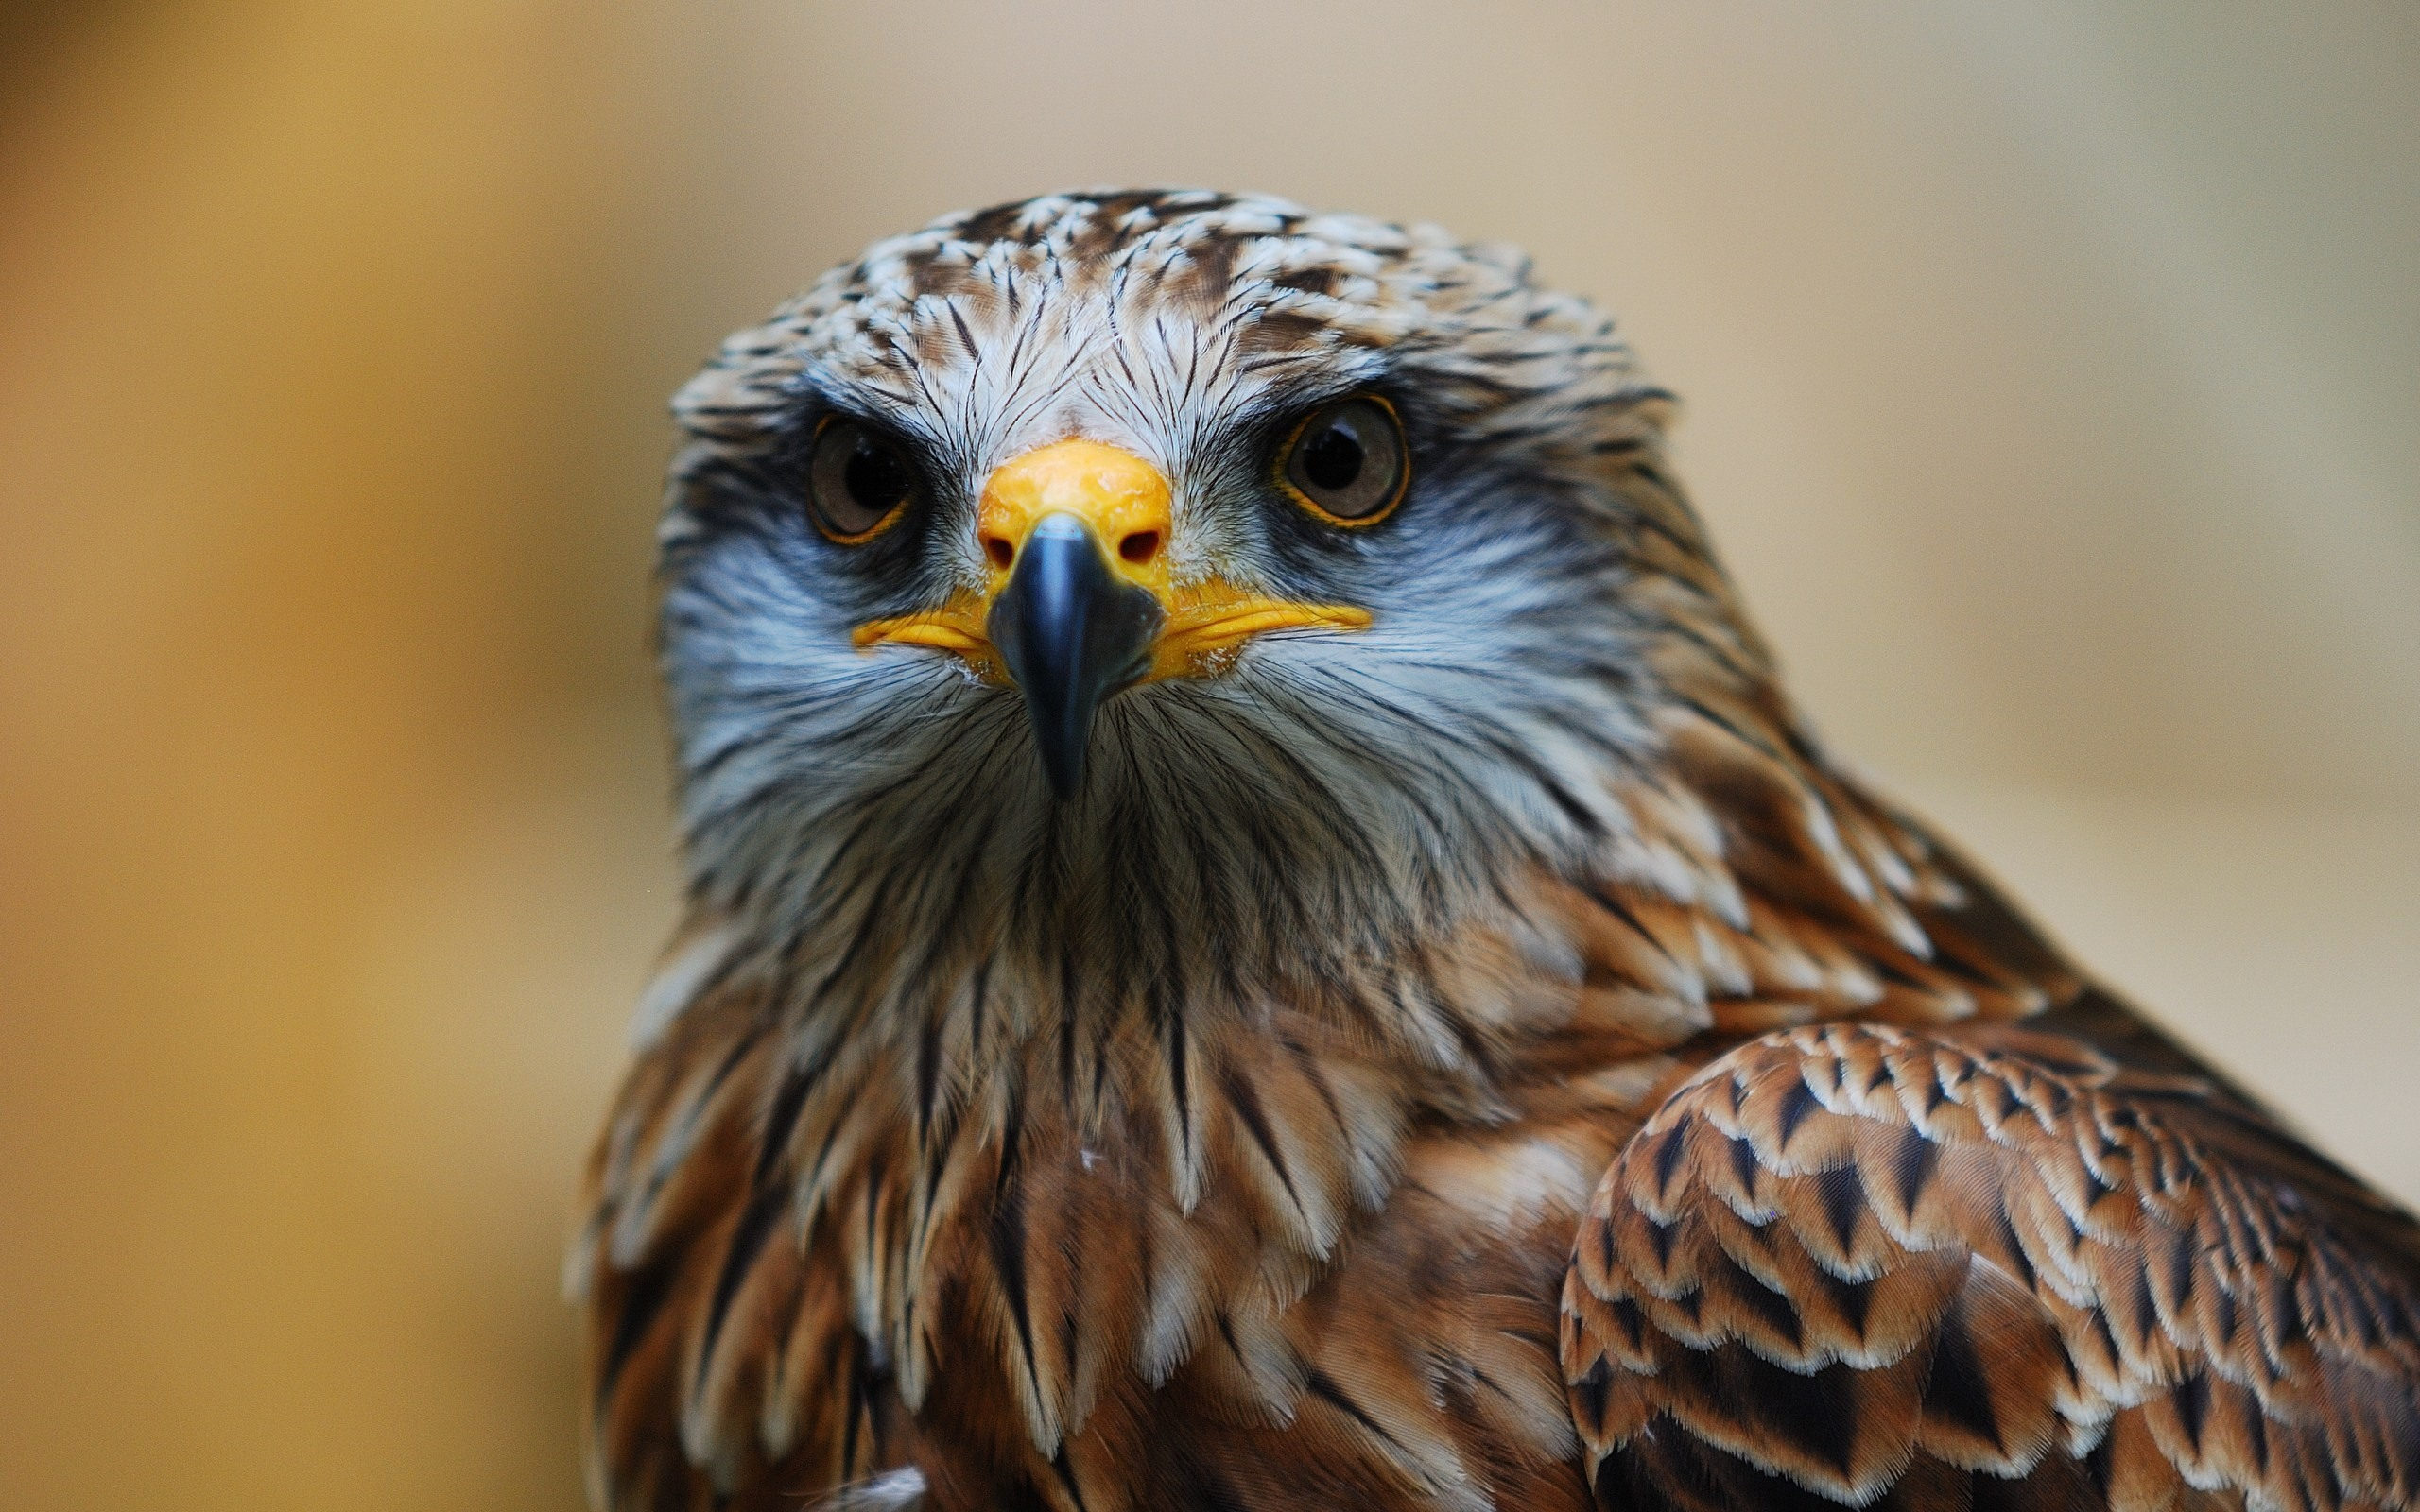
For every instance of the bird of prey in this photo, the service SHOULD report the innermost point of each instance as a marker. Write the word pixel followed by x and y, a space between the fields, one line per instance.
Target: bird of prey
pixel 1262 934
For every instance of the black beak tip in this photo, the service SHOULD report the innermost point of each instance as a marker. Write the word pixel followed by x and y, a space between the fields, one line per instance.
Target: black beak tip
pixel 1072 634
pixel 1064 765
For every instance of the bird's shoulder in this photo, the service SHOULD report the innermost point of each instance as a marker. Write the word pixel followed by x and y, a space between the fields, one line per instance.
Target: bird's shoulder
pixel 2054 1262
pixel 716 1363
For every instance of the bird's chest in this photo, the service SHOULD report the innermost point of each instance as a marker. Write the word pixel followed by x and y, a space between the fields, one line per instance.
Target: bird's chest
pixel 1073 1332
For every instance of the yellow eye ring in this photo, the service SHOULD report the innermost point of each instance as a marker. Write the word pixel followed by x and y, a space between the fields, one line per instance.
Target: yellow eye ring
pixel 858 482
pixel 1346 463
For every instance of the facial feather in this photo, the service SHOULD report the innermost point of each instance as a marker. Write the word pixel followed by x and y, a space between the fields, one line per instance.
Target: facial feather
pixel 1331 797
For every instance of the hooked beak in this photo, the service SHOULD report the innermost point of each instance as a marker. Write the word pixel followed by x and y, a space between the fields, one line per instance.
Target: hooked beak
pixel 1071 632
pixel 1081 603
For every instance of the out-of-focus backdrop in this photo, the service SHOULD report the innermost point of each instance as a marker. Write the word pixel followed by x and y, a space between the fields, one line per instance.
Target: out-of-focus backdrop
pixel 2054 387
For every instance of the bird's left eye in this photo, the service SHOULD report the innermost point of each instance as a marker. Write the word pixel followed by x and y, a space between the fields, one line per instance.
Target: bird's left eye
pixel 857 482
pixel 1347 462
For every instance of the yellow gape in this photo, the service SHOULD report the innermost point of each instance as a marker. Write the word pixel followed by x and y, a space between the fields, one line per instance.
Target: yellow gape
pixel 1079 600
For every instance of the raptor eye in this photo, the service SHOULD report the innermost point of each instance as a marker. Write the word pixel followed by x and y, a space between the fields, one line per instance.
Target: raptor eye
pixel 856 482
pixel 1347 462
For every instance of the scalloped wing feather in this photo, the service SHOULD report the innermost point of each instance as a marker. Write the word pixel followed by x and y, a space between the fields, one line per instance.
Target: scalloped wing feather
pixel 2050 1265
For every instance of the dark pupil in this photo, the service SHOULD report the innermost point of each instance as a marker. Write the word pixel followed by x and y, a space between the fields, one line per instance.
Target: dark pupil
pixel 1333 458
pixel 873 476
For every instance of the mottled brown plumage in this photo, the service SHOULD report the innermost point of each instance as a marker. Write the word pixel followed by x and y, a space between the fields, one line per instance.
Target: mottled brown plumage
pixel 1655 1119
pixel 2004 1265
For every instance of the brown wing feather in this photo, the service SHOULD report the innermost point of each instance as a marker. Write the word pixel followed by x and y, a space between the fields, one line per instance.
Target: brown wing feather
pixel 2054 1266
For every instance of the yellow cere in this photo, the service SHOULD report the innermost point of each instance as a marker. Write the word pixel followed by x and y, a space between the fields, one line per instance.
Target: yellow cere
pixel 1123 502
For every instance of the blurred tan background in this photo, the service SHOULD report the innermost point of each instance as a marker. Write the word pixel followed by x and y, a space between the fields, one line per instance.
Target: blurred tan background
pixel 2054 382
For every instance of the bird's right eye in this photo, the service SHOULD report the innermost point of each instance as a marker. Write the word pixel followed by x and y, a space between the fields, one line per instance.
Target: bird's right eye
pixel 857 482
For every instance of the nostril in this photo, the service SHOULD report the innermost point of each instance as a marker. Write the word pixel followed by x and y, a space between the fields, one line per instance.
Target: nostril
pixel 1140 547
pixel 1003 554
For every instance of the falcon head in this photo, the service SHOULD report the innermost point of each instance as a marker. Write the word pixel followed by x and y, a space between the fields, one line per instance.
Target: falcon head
pixel 1154 577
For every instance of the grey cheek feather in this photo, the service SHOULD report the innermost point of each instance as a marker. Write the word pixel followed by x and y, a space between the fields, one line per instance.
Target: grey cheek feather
pixel 1330 792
